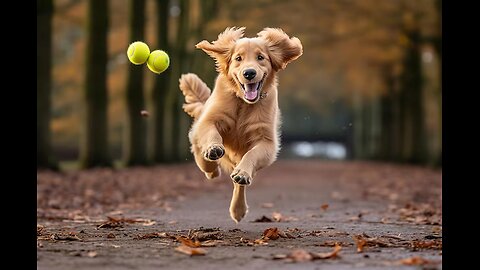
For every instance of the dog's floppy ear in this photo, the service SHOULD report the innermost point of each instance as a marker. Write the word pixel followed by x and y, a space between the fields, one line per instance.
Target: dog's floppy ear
pixel 221 49
pixel 281 48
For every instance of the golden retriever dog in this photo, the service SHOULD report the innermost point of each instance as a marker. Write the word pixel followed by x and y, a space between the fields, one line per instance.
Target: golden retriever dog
pixel 236 126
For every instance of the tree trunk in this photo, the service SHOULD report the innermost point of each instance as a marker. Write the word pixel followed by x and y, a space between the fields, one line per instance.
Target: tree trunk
pixel 135 130
pixel 386 115
pixel 160 87
pixel 437 160
pixel 358 128
pixel 174 97
pixel 415 147
pixel 44 84
pixel 94 149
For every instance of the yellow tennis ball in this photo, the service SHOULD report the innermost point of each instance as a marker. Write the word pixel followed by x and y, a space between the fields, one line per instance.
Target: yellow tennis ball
pixel 158 61
pixel 138 52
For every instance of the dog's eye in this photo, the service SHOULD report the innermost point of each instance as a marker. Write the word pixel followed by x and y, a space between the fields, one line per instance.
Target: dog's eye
pixel 238 58
pixel 260 57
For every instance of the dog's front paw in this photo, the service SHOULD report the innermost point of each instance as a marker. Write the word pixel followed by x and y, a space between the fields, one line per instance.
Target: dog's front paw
pixel 241 177
pixel 214 152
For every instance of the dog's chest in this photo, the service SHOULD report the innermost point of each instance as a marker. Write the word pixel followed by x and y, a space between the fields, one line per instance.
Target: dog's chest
pixel 246 126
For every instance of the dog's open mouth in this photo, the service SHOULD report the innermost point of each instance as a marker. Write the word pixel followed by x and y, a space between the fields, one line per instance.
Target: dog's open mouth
pixel 251 91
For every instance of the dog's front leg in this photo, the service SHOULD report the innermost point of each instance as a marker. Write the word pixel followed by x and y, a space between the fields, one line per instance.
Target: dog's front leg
pixel 208 140
pixel 261 155
pixel 207 148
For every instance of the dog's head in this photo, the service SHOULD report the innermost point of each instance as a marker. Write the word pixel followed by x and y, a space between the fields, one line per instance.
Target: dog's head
pixel 248 62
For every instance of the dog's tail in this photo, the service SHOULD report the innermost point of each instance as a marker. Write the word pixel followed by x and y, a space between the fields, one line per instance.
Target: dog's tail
pixel 196 93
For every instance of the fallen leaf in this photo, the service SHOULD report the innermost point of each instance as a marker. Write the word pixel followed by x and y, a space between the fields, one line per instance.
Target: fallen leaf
pixel 261 242
pixel 277 216
pixel 363 240
pixel 148 223
pixel 267 205
pixel 69 237
pixel 360 242
pixel 155 235
pixel 202 236
pixel 114 222
pixel 210 243
pixel 271 233
pixel 191 251
pixel 416 260
pixel 92 254
pixel 279 256
pixel 434 244
pixel 188 242
pixel 328 255
pixel 324 206
pixel 40 229
pixel 331 243
pixel 299 255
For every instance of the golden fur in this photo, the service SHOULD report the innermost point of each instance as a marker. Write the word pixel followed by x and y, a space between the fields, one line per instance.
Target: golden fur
pixel 236 127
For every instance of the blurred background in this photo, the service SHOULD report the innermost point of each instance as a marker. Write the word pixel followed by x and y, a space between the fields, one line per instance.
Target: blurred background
pixel 368 86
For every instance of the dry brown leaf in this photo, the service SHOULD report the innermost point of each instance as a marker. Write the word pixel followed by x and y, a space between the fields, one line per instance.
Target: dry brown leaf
pixel 210 243
pixel 40 229
pixel 363 240
pixel 328 255
pixel 299 255
pixel 434 244
pixel 202 236
pixel 69 237
pixel 190 251
pixel 261 242
pixel 114 222
pixel 155 235
pixel 360 242
pixel 416 260
pixel 324 206
pixel 271 233
pixel 277 216
pixel 267 205
pixel 279 256
pixel 188 242
pixel 92 254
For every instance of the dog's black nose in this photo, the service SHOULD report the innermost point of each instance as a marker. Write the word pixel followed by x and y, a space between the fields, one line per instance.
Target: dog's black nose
pixel 249 74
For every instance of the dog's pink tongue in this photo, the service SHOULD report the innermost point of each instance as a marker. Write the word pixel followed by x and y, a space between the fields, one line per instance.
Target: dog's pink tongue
pixel 251 91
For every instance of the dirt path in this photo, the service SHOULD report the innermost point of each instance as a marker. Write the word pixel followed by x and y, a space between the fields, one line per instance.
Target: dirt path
pixel 391 213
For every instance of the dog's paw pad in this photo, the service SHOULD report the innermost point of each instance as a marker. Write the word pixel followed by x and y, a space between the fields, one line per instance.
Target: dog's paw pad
pixel 215 152
pixel 241 178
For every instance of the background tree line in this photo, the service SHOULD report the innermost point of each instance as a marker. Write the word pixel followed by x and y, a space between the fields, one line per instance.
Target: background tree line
pixel 370 75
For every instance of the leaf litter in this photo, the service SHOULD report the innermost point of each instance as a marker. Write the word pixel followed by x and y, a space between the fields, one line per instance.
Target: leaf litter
pixel 114 222
pixel 301 255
